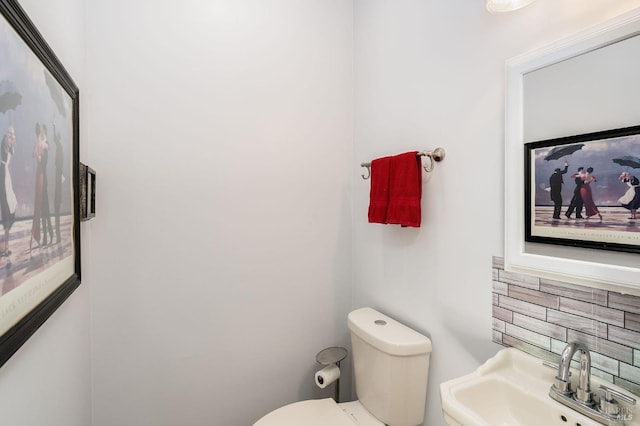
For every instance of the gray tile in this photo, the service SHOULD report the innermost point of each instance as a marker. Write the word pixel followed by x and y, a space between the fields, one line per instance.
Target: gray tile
pixel 496 337
pixel 626 302
pixel 530 309
pixel 632 321
pixel 534 296
pixel 629 372
pixel 521 280
pixel 528 348
pixel 589 340
pixel 498 325
pixel 512 342
pixel 574 291
pixel 538 326
pixel 602 346
pixel 498 262
pixel 502 314
pixel 528 336
pixel 494 299
pixel 604 376
pixel 576 322
pixel 557 346
pixel 605 363
pixel 624 336
pixel 597 312
pixel 636 357
pixel 495 275
pixel 501 288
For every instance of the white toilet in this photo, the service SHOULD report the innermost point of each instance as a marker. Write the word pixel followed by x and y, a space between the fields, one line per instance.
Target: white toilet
pixel 391 367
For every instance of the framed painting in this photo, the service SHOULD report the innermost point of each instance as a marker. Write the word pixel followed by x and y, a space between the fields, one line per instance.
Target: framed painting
pixel 39 184
pixel 584 190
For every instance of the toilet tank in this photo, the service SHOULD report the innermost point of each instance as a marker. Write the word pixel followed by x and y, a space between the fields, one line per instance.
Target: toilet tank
pixel 391 367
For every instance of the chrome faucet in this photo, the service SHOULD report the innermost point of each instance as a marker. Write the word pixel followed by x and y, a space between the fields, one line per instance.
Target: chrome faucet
pixel 607 411
pixel 563 384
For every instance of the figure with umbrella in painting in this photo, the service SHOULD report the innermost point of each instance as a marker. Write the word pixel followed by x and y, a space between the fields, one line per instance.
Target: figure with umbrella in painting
pixel 41 205
pixel 555 182
pixel 10 98
pixel 631 199
pixel 8 200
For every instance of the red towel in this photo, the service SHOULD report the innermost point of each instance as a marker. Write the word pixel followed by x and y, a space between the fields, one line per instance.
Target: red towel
pixel 405 190
pixel 379 194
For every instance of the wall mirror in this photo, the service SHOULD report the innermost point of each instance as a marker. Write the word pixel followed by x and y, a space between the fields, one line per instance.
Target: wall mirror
pixel 582 84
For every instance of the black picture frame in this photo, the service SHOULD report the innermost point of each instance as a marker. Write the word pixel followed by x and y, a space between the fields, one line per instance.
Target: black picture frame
pixel 606 224
pixel 29 303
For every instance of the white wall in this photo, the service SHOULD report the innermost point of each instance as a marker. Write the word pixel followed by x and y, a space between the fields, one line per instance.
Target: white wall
pixel 48 381
pixel 222 136
pixel 431 74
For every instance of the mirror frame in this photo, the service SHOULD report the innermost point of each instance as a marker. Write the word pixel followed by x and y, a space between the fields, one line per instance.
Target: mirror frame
pixel 518 256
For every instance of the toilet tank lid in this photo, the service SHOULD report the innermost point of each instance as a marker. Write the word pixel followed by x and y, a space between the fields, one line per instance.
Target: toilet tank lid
pixel 387 334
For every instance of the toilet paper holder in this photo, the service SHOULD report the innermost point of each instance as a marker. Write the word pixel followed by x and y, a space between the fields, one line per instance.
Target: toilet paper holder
pixel 332 355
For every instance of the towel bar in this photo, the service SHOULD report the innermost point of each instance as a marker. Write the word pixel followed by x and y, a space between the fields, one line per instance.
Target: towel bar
pixel 437 154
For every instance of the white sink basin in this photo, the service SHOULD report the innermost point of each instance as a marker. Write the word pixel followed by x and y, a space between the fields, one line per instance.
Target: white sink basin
pixel 512 389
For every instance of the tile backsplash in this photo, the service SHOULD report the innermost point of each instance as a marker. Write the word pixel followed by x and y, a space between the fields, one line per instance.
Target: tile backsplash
pixel 540 316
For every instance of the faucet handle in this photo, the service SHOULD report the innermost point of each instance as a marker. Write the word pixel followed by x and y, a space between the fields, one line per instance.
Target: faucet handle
pixel 609 393
pixel 609 405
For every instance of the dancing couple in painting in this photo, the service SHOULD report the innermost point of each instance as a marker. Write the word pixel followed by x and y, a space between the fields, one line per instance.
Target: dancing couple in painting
pixel 41 225
pixel 582 195
pixel 42 231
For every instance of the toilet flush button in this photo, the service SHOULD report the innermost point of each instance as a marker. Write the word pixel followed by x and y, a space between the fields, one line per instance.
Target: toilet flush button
pixel 380 322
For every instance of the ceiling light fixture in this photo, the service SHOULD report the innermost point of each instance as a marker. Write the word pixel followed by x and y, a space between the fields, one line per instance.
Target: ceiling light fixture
pixel 495 6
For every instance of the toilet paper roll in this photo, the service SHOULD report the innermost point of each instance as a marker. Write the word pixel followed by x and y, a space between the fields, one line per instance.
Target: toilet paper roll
pixel 327 375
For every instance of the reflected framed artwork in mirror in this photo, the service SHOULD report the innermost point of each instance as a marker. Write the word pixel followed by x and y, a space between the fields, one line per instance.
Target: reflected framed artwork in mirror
pixel 583 190
pixel 39 203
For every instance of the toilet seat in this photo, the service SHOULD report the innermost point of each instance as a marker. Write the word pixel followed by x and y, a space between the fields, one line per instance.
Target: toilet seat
pixel 313 412
pixel 319 412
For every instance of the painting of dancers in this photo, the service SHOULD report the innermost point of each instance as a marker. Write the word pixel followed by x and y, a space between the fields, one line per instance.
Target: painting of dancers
pixel 39 239
pixel 584 190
